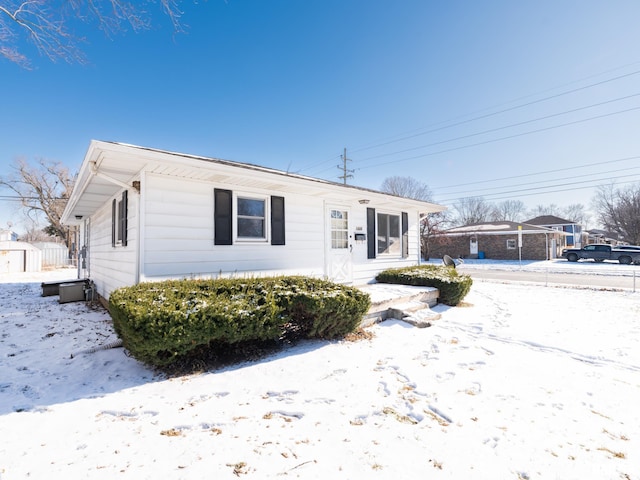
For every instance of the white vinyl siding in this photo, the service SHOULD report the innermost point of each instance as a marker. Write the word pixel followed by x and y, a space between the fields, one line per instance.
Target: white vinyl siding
pixel 179 234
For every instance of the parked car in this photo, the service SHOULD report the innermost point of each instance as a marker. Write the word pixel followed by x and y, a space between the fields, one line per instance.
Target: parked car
pixel 635 248
pixel 602 252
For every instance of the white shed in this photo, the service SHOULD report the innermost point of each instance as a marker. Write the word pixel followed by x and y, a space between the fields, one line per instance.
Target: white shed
pixel 19 257
pixel 147 214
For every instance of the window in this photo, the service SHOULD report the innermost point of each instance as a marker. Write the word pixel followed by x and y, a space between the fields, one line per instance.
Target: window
pixel 389 234
pixel 383 234
pixel 511 244
pixel 119 220
pixel 339 229
pixel 251 218
pixel 247 218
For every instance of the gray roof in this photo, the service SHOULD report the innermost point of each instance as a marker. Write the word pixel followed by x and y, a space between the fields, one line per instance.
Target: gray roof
pixel 549 220
pixel 499 228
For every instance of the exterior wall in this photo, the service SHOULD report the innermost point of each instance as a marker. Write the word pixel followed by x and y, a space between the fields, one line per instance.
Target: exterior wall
pixel 534 246
pixel 173 219
pixel 110 267
pixel 365 270
pixel 178 234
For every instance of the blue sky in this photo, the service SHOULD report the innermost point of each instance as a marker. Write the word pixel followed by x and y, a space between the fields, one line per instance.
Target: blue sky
pixel 472 98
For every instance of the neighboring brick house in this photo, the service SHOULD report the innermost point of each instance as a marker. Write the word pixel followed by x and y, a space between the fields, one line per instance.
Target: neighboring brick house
pixel 573 239
pixel 498 241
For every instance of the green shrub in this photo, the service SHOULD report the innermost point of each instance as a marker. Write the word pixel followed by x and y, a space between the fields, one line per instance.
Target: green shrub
pixel 452 286
pixel 321 309
pixel 163 322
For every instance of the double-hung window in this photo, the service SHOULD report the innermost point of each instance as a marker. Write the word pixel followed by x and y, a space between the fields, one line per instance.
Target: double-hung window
pixel 239 217
pixel 251 218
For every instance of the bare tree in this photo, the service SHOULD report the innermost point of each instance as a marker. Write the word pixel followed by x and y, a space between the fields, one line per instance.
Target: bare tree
pixel 471 210
pixel 619 211
pixel 43 190
pixel 430 224
pixel 509 210
pixel 407 187
pixel 576 212
pixel 551 209
pixel 47 24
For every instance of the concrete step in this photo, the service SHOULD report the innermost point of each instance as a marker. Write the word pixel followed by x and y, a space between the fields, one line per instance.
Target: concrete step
pixel 402 302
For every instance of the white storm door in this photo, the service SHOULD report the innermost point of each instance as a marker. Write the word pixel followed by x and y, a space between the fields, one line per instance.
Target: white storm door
pixel 339 266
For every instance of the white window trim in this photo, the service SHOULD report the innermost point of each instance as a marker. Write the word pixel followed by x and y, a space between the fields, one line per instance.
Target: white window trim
pixel 267 219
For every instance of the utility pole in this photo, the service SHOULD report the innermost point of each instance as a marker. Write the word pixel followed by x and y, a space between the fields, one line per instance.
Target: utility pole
pixel 346 173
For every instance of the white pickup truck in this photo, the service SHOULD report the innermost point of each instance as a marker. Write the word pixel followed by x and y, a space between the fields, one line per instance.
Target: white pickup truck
pixel 602 252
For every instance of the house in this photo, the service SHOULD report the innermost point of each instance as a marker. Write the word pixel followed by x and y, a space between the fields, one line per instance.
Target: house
pixel 573 239
pixel 603 236
pixel 8 236
pixel 146 215
pixel 498 241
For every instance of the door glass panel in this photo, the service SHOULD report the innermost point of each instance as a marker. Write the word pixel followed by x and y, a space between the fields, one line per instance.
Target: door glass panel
pixel 339 229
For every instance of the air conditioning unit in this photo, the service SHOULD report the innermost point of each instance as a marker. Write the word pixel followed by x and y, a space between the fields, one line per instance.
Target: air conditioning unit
pixel 71 292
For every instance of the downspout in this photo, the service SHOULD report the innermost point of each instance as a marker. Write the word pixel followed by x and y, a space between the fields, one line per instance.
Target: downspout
pixel 140 272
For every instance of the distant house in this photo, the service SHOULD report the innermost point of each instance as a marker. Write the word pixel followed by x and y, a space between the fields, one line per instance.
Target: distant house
pixel 603 236
pixel 8 236
pixel 573 230
pixel 498 241
pixel 147 214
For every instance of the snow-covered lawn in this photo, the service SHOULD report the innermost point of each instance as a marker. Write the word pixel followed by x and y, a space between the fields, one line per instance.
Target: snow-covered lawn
pixel 522 382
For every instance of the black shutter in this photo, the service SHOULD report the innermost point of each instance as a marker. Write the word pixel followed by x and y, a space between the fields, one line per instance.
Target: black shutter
pixel 277 220
pixel 222 217
pixel 405 234
pixel 113 223
pixel 371 233
pixel 123 218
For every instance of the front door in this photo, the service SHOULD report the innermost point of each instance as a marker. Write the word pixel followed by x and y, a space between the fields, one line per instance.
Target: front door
pixel 338 244
pixel 473 247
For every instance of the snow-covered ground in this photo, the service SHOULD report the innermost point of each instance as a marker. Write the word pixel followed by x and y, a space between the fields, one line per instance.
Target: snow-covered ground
pixel 520 382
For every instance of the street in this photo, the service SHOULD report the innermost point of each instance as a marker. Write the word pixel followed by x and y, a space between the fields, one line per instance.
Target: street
pixel 582 274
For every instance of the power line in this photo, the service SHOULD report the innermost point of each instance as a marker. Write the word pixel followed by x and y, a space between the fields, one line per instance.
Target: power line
pixel 562 190
pixel 591 85
pixel 481 117
pixel 504 127
pixel 605 162
pixel 519 191
pixel 516 135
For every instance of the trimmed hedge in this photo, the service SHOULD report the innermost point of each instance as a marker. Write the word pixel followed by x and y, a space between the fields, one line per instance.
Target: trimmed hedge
pixel 160 323
pixel 452 286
